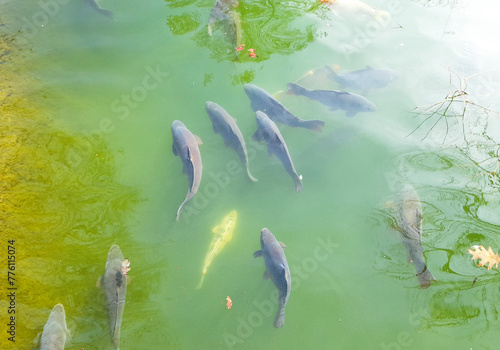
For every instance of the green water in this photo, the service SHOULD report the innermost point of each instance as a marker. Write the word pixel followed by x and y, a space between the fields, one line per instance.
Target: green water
pixel 101 171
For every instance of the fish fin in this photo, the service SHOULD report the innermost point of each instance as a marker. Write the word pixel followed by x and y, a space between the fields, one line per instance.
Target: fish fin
pixel 257 254
pixel 282 276
pixel 69 337
pixel 227 144
pixel 278 94
pixel 188 164
pixel 331 74
pixel 267 275
pixel 235 120
pixel 250 175
pixel 201 282
pixel 279 319
pixel 98 283
pixel 198 140
pixel 282 245
pixel 37 340
pixel 425 277
pixel 269 152
pixel 174 150
pixel 351 114
pixel 254 106
pixel 299 187
pixel 295 89
pixel 418 214
pixel 257 136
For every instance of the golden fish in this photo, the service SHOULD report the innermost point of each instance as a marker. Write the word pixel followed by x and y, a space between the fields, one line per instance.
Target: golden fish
pixel 223 233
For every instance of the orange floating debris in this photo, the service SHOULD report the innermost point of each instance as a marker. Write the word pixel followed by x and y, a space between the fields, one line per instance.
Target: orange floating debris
pixel 229 302
pixel 252 53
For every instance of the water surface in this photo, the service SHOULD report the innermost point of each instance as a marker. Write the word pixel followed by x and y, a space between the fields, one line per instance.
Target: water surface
pixel 87 162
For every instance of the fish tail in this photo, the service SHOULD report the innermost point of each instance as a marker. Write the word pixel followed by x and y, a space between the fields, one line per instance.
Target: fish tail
pixel 279 319
pixel 298 184
pixel 332 75
pixel 201 282
pixel 179 212
pixel 315 125
pixel 180 209
pixel 107 13
pixel 250 175
pixel 425 277
pixel 382 16
pixel 295 89
pixel 116 341
pixel 189 196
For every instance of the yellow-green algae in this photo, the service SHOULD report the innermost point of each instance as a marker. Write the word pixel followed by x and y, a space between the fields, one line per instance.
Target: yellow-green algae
pixel 61 203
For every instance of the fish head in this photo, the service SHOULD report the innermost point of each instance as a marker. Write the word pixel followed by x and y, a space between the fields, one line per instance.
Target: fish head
pixel 266 237
pixel 230 218
pixel 250 90
pixel 211 107
pixel 369 106
pixel 115 253
pixel 227 226
pixel 264 124
pixel 255 93
pixel 177 124
pixel 261 118
pixel 58 315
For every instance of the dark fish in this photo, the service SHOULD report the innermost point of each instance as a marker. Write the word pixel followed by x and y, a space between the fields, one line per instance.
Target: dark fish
pixel 185 145
pixel 349 102
pixel 225 125
pixel 276 268
pixel 365 79
pixel 99 9
pixel 114 284
pixel 409 218
pixel 268 131
pixel 261 100
pixel 55 331
pixel 223 11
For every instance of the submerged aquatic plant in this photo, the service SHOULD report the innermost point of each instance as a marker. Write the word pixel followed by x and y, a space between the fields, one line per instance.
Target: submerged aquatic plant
pixel 58 194
pixel 447 108
pixel 470 123
pixel 268 27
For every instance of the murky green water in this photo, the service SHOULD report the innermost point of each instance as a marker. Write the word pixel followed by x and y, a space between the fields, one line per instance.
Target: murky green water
pixel 87 162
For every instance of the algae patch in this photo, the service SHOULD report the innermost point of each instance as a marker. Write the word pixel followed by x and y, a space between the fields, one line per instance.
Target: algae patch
pixel 59 201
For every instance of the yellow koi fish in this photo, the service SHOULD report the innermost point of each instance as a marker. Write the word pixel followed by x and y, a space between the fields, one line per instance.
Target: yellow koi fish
pixel 223 233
